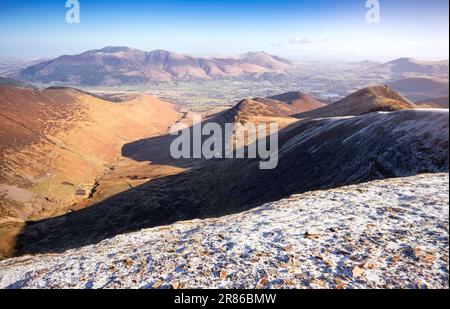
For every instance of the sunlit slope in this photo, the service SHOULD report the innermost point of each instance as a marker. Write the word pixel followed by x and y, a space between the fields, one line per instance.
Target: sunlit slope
pixel 56 142
pixel 364 101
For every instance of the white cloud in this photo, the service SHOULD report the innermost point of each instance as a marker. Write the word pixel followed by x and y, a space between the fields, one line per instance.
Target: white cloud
pixel 301 41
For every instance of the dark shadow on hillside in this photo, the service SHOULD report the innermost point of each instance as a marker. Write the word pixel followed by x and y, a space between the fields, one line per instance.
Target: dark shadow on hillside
pixel 157 149
pixel 326 159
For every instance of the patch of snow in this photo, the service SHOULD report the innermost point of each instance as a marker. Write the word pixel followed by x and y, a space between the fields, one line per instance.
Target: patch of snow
pixel 383 234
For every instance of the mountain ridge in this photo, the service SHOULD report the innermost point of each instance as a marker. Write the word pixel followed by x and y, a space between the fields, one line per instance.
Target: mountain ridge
pixel 116 65
pixel 365 101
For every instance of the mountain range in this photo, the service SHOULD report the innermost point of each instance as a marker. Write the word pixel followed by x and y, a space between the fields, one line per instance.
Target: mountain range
pixel 124 65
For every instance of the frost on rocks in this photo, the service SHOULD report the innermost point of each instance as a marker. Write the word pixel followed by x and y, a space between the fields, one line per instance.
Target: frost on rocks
pixel 383 234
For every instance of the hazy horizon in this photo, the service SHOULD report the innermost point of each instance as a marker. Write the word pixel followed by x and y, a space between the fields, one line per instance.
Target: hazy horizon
pixel 293 57
pixel 293 29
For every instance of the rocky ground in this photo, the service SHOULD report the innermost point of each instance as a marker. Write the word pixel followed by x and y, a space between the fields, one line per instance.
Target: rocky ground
pixel 383 234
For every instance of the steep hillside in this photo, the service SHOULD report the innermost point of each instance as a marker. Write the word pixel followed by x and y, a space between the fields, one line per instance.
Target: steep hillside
pixel 314 154
pixel 364 101
pixel 55 143
pixel 123 65
pixel 382 234
pixel 56 130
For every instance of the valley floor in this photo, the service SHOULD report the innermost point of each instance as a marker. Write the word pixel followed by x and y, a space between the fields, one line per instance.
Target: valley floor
pixel 384 234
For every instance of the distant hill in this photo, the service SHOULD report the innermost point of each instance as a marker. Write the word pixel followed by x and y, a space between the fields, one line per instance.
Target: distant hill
pixel 441 102
pixel 123 65
pixel 418 88
pixel 10 67
pixel 364 101
pixel 6 81
pixel 299 101
pixel 263 107
pixel 278 108
pixel 410 65
pixel 265 60
pixel 367 62
pixel 420 85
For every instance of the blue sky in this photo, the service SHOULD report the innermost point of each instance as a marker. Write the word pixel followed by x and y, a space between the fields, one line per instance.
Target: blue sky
pixel 294 28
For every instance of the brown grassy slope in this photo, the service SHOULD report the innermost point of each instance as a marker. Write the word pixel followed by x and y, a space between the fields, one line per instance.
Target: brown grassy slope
pixel 56 142
pixel 282 105
pixel 264 110
pixel 364 101
pixel 260 107
pixel 300 102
